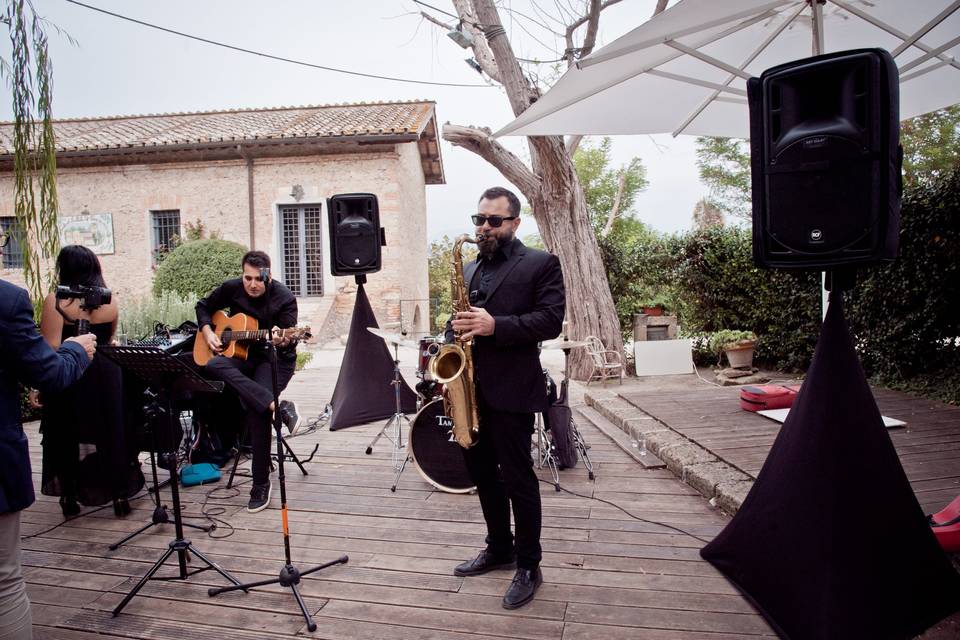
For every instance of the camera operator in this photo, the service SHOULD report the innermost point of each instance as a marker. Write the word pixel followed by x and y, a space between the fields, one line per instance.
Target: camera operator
pixel 90 411
pixel 24 357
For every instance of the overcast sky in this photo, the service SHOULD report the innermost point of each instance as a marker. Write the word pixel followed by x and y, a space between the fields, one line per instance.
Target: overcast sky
pixel 121 68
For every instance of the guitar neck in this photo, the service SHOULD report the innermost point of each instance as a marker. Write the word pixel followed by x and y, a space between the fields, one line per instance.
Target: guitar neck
pixel 245 335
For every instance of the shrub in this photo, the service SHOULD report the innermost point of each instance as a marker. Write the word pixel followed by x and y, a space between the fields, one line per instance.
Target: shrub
pixel 197 267
pixel 904 314
pixel 721 340
pixel 303 357
pixel 718 286
pixel 139 316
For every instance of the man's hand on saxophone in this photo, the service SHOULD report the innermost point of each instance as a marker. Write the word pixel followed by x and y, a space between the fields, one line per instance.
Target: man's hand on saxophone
pixel 475 322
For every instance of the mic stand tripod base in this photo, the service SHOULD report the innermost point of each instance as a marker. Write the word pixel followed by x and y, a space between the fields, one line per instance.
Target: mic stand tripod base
pixel 289 577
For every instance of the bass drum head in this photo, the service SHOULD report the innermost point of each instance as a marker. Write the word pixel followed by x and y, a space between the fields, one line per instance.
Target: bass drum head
pixel 438 460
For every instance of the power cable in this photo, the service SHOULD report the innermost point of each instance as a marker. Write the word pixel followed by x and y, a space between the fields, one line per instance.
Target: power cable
pixel 271 56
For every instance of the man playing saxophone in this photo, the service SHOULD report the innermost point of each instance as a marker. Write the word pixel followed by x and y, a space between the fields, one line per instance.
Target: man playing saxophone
pixel 517 300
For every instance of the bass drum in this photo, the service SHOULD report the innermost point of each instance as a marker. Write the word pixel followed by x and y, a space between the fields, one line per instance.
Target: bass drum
pixel 438 460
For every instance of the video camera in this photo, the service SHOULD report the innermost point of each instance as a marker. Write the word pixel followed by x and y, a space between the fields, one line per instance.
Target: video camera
pixel 91 297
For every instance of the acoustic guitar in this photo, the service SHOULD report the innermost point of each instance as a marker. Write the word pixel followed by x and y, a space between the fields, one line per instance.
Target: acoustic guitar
pixel 236 330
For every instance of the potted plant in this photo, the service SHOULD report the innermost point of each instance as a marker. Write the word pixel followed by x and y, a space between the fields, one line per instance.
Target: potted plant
pixel 654 305
pixel 737 345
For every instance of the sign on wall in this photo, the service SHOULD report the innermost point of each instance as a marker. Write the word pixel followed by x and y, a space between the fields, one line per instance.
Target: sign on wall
pixel 94 231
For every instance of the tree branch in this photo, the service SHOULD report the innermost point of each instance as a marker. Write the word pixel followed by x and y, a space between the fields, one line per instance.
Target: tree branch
pixel 481 50
pixel 437 21
pixel 615 210
pixel 661 5
pixel 592 20
pixel 479 142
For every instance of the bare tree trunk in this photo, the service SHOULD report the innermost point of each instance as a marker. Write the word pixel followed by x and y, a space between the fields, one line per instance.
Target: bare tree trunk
pixel 552 187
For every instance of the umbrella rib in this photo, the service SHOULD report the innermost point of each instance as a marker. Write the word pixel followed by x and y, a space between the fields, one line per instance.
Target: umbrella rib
pixel 753 56
pixel 921 72
pixel 696 81
pixel 892 30
pixel 930 54
pixel 699 55
pixel 603 56
pixel 926 28
pixel 516 124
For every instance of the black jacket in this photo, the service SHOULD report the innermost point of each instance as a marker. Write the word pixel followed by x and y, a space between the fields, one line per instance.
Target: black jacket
pixel 25 357
pixel 526 299
pixel 281 312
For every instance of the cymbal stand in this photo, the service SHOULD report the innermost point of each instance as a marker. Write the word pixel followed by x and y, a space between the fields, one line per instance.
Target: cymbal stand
pixel 396 422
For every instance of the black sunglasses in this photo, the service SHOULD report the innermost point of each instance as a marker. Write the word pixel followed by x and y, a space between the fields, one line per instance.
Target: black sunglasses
pixel 493 221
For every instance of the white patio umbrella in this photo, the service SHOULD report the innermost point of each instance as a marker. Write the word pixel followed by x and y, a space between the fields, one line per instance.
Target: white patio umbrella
pixel 685 70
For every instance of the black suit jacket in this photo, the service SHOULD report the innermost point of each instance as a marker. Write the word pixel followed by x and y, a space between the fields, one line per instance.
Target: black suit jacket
pixel 526 299
pixel 25 357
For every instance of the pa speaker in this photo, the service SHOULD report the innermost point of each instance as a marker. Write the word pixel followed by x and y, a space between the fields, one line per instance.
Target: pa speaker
pixel 826 160
pixel 355 234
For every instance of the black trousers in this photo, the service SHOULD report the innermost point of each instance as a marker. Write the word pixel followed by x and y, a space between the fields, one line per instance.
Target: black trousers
pixel 252 380
pixel 501 466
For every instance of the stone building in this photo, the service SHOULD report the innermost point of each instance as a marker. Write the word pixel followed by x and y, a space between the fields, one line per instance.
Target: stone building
pixel 259 177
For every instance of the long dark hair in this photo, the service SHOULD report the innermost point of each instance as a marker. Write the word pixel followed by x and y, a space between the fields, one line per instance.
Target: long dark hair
pixel 78 265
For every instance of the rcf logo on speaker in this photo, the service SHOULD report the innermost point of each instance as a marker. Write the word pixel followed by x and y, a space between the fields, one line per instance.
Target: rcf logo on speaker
pixel 816 235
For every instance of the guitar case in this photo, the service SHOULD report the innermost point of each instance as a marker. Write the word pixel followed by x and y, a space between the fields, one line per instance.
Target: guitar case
pixel 558 420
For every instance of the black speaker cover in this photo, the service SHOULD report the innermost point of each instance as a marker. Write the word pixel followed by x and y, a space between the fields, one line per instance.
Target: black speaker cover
pixel 825 161
pixel 355 235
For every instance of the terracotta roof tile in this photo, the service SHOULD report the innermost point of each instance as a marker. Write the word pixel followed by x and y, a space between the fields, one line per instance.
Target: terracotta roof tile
pixel 309 122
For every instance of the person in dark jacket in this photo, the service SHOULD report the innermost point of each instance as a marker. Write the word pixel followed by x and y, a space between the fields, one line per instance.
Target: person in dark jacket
pixel 517 300
pixel 24 358
pixel 252 378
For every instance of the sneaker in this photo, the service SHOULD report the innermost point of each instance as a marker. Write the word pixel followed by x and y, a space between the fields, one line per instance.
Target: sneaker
pixel 259 497
pixel 290 416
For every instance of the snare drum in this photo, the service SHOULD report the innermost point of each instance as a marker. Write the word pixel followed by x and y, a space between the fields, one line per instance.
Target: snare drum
pixel 438 460
pixel 429 347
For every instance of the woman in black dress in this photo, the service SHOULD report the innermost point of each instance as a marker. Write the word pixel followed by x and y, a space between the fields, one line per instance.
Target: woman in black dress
pixel 88 456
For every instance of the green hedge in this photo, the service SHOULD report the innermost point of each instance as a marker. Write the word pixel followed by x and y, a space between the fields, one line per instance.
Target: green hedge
pixel 718 287
pixel 906 315
pixel 197 267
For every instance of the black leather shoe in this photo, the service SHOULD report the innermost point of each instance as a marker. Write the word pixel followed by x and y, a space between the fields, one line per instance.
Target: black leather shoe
pixel 69 506
pixel 525 584
pixel 484 562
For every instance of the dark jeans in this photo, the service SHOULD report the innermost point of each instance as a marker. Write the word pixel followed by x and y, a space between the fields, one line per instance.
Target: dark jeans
pixel 252 380
pixel 501 466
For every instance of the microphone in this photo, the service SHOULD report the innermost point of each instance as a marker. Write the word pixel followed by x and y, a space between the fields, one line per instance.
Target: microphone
pixel 265 275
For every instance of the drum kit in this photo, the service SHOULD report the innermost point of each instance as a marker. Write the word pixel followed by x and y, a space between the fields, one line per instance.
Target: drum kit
pixel 435 455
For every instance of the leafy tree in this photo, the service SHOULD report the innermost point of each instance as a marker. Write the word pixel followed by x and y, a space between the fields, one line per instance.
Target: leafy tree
pixel 29 75
pixel 706 213
pixel 931 146
pixel 197 267
pixel 931 149
pixel 440 273
pixel 610 193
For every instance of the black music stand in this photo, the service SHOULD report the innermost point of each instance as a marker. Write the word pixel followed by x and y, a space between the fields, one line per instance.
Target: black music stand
pixel 289 574
pixel 168 378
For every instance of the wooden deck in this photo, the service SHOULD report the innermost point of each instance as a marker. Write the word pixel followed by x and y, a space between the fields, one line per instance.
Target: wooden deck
pixel 607 575
pixel 929 446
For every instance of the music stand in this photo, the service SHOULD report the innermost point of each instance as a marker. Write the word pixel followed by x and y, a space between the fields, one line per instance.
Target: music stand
pixel 399 454
pixel 168 378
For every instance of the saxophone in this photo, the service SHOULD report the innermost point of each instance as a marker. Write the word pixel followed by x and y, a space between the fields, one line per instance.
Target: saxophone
pixel 452 366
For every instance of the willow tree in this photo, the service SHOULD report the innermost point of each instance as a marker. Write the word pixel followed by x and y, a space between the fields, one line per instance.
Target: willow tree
pixel 28 74
pixel 549 183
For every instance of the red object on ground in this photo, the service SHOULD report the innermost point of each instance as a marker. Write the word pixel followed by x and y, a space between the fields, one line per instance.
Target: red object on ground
pixel 946 526
pixel 759 397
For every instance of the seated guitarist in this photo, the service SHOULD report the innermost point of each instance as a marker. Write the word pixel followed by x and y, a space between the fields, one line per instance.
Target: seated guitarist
pixel 252 379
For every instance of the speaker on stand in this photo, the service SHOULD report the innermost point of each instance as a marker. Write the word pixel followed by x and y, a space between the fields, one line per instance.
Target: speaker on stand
pixel 355 234
pixel 826 160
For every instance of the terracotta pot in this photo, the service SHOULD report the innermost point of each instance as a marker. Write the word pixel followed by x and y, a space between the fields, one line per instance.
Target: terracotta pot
pixel 740 355
pixel 653 311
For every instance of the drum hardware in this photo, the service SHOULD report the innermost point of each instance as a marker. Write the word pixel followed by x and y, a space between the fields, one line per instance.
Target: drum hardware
pixel 546 449
pixel 395 422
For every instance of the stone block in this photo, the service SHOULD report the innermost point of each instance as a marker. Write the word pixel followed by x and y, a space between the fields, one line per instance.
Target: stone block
pixel 730 495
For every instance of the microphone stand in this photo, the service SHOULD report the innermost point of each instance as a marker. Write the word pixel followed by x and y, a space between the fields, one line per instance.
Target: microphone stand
pixel 289 574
